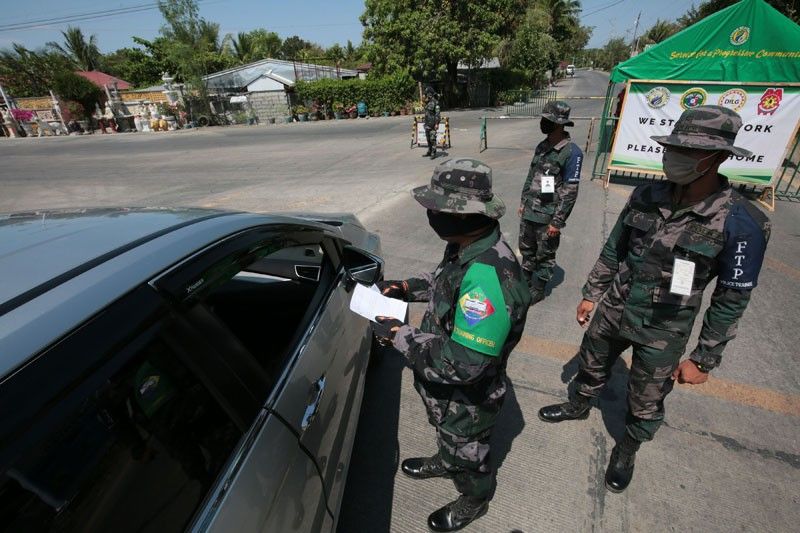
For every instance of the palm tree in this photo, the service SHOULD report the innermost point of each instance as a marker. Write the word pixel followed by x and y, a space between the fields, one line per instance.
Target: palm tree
pixel 660 31
pixel 242 47
pixel 85 55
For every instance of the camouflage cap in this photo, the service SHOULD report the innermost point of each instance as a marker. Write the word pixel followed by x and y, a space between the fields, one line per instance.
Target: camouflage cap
pixel 461 186
pixel 557 111
pixel 706 127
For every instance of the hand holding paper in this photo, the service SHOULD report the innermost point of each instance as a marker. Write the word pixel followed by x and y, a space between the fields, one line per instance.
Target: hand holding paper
pixel 370 303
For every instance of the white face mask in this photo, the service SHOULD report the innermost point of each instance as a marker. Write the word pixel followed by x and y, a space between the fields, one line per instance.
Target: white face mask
pixel 683 169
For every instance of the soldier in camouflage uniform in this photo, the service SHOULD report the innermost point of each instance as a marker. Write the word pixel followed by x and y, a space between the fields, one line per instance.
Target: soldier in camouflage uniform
pixel 549 193
pixel 477 303
pixel 431 121
pixel 671 240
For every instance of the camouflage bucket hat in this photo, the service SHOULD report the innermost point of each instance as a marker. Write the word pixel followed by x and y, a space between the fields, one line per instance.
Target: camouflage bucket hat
pixel 707 127
pixel 557 111
pixel 461 186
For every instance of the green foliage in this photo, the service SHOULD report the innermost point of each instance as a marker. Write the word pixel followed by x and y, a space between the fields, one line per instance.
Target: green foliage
pixel 430 37
pixel 70 86
pixel 532 50
pixel 388 93
pixel 659 31
pixel 82 53
pixel 790 8
pixel 135 66
pixel 613 52
pixel 30 72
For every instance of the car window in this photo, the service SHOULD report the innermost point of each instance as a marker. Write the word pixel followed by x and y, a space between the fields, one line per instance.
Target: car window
pixel 266 304
pixel 133 444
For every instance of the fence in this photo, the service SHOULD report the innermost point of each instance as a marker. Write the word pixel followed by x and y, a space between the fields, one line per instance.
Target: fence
pixel 529 103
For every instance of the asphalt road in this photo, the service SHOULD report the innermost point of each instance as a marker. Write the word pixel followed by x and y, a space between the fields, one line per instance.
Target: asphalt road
pixel 728 457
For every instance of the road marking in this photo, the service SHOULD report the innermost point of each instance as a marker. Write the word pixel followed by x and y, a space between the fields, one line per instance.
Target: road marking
pixel 740 393
pixel 783 268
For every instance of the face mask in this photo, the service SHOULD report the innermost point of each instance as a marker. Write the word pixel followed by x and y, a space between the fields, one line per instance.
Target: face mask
pixel 450 225
pixel 547 126
pixel 683 169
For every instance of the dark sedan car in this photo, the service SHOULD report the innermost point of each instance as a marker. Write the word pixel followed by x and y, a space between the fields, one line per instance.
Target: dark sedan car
pixel 163 370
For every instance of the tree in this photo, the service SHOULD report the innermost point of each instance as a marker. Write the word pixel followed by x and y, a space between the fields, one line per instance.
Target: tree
pixel 430 37
pixel 565 28
pixel 29 73
pixel 85 55
pixel 709 7
pixel 614 51
pixel 292 46
pixel 660 31
pixel 531 49
pixel 70 86
pixel 133 65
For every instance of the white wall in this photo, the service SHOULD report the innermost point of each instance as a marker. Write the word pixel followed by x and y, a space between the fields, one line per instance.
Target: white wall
pixel 265 84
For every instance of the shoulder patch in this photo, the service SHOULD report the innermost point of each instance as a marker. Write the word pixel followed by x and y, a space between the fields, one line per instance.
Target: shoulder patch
pixel 481 319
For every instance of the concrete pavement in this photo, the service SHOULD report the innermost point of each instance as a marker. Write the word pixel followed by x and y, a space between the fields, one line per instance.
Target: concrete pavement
pixel 728 457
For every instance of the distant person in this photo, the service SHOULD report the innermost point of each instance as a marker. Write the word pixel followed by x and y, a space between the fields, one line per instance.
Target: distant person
pixel 670 241
pixel 548 196
pixel 431 121
pixel 477 304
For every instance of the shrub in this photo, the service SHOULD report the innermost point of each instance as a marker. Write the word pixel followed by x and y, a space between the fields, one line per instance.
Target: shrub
pixel 70 86
pixel 388 93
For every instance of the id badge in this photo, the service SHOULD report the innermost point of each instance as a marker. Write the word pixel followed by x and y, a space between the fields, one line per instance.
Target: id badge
pixel 548 184
pixel 682 277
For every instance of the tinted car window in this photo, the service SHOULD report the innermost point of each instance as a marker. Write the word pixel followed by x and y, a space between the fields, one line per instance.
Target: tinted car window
pixel 136 444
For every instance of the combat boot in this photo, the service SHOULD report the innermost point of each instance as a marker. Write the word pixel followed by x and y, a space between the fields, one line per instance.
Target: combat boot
pixel 425 467
pixel 537 286
pixel 433 153
pixel 576 409
pixel 458 514
pixel 620 467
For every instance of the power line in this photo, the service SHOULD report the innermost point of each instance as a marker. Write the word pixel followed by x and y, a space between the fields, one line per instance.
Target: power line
pixel 81 17
pixel 599 9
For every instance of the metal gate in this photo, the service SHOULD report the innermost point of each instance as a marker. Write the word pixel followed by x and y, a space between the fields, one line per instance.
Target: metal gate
pixel 529 103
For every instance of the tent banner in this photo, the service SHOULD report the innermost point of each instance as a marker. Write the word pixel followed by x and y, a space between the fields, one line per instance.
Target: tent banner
pixel 769 122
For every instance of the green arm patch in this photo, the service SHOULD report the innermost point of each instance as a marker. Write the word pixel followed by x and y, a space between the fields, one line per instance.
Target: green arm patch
pixel 482 322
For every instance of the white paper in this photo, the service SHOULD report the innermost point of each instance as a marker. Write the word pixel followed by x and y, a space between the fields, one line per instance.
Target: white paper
pixel 369 303
pixel 548 184
pixel 682 277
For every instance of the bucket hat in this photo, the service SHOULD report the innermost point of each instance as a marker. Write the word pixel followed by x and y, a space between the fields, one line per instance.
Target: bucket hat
pixel 706 127
pixel 461 186
pixel 557 111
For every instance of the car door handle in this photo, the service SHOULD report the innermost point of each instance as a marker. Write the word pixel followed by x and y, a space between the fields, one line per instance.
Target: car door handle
pixel 313 405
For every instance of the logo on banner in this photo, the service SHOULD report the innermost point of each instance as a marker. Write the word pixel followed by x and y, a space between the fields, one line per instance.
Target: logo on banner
pixel 733 99
pixel 475 306
pixel 740 35
pixel 657 97
pixel 693 97
pixel 770 101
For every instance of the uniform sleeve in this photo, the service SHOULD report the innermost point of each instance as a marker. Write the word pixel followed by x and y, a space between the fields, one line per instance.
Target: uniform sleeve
pixel 740 264
pixel 568 191
pixel 527 186
pixel 607 265
pixel 482 322
pixel 419 289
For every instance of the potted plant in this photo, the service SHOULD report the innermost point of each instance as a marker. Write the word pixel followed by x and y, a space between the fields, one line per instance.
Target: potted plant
pixel 352 110
pixel 338 110
pixel 302 113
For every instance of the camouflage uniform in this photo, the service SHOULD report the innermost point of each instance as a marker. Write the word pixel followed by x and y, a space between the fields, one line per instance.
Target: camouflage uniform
pixel 461 384
pixel 539 210
pixel 431 121
pixel 725 237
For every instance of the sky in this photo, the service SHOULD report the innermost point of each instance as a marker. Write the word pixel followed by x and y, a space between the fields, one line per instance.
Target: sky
pixel 322 21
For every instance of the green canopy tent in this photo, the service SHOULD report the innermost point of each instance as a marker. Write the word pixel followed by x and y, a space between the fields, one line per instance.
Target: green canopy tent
pixel 749 41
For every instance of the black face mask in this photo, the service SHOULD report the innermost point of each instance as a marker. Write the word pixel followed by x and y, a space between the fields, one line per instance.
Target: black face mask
pixel 547 126
pixel 450 225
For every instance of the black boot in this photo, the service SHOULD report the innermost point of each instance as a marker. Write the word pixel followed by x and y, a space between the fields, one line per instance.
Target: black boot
pixel 427 154
pixel 425 467
pixel 620 467
pixel 537 286
pixel 458 514
pixel 576 409
pixel 433 154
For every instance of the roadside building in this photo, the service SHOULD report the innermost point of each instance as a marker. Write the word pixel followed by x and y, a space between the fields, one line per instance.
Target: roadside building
pixel 269 83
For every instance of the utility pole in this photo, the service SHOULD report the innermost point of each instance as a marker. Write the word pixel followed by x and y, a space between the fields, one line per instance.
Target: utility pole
pixel 635 46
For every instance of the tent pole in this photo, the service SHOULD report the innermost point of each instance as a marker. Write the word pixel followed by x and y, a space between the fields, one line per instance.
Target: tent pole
pixel 603 131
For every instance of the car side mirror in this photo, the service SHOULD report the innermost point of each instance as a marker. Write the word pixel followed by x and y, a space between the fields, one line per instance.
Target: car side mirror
pixel 362 266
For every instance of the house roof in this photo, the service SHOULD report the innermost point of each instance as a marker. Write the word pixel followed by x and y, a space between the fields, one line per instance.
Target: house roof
pixel 285 72
pixel 102 79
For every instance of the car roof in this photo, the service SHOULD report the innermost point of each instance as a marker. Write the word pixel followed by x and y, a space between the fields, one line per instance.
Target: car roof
pixel 40 248
pixel 62 267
